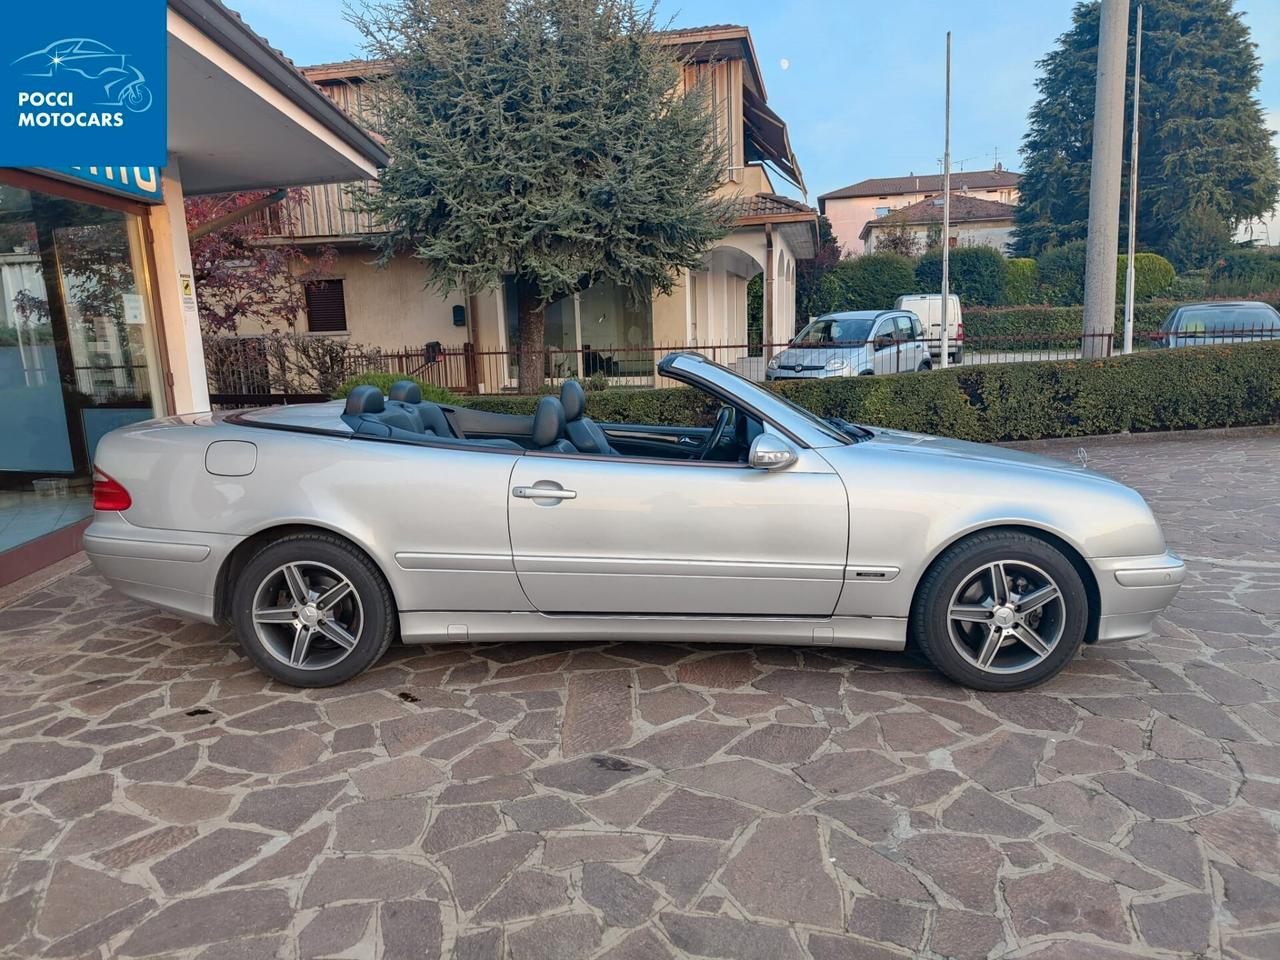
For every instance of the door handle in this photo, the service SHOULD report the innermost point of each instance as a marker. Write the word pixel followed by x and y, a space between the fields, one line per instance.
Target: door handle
pixel 543 493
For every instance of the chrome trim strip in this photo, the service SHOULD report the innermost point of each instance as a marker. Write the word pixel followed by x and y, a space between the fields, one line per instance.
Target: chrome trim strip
pixel 471 562
pixel 668 567
pixel 872 573
pixel 145 549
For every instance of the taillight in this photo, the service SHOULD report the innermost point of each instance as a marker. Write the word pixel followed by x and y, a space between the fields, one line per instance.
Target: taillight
pixel 108 494
pixel 959 332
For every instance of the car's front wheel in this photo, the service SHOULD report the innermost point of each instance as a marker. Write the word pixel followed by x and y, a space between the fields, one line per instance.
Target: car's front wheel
pixel 311 610
pixel 1000 611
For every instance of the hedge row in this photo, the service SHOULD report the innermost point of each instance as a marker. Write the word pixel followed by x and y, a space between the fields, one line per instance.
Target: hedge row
pixel 1182 389
pixel 1064 323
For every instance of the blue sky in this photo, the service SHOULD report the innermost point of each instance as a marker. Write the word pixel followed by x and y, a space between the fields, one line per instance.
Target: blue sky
pixel 863 94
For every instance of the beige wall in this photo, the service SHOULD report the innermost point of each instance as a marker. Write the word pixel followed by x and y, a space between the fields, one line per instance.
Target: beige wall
pixel 389 307
pixel 996 234
pixel 850 214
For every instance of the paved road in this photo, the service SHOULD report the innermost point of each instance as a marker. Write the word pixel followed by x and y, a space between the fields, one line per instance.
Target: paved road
pixel 639 802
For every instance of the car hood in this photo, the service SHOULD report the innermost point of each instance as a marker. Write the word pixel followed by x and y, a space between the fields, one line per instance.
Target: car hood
pixel 925 445
pixel 817 355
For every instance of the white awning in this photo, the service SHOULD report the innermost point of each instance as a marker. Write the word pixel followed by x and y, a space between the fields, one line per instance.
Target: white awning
pixel 242 117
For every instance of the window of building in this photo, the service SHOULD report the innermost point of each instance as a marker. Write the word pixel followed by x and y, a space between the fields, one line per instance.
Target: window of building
pixel 882 211
pixel 326 306
pixel 78 351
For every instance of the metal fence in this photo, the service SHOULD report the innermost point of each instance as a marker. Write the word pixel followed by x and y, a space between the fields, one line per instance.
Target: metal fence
pixel 254 371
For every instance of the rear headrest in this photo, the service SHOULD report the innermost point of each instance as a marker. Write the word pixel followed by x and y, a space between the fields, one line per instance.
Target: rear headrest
pixel 406 391
pixel 548 422
pixel 364 399
pixel 573 398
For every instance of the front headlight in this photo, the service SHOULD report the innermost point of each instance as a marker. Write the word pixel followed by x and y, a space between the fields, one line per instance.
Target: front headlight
pixel 836 364
pixel 773 363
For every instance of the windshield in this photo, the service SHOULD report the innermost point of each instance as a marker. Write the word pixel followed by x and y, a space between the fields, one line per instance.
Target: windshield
pixel 766 402
pixel 856 330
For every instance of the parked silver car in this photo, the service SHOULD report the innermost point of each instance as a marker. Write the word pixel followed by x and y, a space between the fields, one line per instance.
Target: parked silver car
pixel 1225 322
pixel 853 343
pixel 324 531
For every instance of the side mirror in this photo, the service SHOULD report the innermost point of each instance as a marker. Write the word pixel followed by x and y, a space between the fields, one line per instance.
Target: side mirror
pixel 884 340
pixel 771 453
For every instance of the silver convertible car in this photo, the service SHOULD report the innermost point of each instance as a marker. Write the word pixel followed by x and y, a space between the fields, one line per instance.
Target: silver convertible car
pixel 324 531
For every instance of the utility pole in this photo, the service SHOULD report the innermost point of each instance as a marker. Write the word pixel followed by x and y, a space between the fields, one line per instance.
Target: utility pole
pixel 1104 181
pixel 1129 271
pixel 943 360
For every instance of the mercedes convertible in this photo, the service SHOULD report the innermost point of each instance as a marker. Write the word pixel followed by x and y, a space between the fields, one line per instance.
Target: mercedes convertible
pixel 323 532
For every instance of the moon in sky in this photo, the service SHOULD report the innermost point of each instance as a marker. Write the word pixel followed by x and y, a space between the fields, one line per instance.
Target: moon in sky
pixel 784 63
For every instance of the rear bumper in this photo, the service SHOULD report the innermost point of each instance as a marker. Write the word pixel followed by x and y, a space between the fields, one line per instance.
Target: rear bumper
pixel 175 570
pixel 1133 591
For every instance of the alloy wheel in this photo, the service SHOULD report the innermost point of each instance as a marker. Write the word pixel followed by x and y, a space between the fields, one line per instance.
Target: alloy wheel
pixel 307 615
pixel 1006 616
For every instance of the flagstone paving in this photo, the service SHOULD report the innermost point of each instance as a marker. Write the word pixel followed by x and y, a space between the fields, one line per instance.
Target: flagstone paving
pixel 159 797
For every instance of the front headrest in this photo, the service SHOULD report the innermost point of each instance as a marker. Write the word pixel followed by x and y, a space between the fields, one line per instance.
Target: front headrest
pixel 406 391
pixel 548 422
pixel 573 398
pixel 364 399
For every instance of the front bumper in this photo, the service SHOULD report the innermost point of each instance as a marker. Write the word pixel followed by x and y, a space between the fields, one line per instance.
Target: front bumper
pixel 175 570
pixel 791 373
pixel 1133 591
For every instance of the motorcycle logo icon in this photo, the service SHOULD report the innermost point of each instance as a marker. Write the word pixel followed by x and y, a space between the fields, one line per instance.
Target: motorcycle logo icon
pixel 117 80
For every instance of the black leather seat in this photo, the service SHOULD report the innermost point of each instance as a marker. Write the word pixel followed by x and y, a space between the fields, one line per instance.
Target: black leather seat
pixel 369 415
pixel 407 395
pixel 548 427
pixel 366 413
pixel 582 431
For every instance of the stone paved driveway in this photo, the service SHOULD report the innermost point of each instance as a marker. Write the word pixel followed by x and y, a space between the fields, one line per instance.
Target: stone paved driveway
pixel 159 797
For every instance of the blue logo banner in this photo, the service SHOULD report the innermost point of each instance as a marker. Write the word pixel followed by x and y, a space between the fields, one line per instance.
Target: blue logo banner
pixel 83 82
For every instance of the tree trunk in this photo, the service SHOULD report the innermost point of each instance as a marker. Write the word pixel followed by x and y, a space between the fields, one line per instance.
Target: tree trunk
pixel 532 346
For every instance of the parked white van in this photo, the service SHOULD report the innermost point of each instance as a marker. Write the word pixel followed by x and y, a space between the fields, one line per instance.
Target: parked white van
pixel 928 307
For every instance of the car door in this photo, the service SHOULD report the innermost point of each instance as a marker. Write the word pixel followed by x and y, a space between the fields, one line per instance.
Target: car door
pixel 909 345
pixel 632 536
pixel 884 356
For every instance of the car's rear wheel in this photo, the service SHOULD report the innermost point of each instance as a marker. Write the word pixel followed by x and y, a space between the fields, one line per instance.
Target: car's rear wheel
pixel 1000 611
pixel 311 610
pixel 924 365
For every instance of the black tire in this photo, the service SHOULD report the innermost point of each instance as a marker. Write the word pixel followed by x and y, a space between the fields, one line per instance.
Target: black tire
pixel 375 611
pixel 866 373
pixel 957 356
pixel 929 629
pixel 925 366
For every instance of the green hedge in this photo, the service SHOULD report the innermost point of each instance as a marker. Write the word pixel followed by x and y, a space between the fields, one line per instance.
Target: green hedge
pixel 1246 271
pixel 383 382
pixel 977 274
pixel 870 282
pixel 1022 282
pixel 1181 389
pixel 1061 325
pixel 1153 276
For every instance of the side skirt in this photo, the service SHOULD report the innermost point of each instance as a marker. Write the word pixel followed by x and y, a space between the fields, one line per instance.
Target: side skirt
pixel 462 626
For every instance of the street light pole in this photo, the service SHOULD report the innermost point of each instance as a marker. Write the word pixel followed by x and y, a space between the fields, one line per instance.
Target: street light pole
pixel 1129 272
pixel 1104 181
pixel 946 210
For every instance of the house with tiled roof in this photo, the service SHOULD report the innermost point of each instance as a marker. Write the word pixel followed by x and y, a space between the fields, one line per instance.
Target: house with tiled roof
pixel 975 222
pixel 392 307
pixel 851 208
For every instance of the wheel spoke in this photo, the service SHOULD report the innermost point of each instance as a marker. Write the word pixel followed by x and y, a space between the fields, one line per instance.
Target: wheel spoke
pixel 297 583
pixel 337 633
pixel 1037 598
pixel 990 647
pixel 971 612
pixel 331 597
pixel 301 645
pixel 999 586
pixel 275 615
pixel 1031 639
